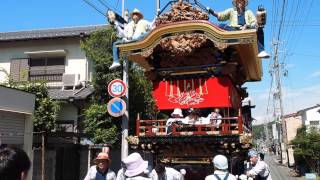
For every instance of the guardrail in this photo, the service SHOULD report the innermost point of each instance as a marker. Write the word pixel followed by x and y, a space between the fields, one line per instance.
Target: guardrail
pixel 228 126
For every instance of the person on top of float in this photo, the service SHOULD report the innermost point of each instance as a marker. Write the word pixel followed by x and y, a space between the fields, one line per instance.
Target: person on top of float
pixel 176 117
pixel 135 30
pixel 215 117
pixel 241 18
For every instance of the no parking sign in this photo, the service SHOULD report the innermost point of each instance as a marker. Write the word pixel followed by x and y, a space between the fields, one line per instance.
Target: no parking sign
pixel 116 107
pixel 117 88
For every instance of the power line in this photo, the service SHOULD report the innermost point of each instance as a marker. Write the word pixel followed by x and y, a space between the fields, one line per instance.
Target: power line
pixel 107 5
pixel 293 45
pixel 297 38
pixel 309 55
pixel 117 4
pixel 281 20
pixel 94 7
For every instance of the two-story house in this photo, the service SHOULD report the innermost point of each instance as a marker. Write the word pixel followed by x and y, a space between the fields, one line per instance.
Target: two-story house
pixel 54 56
pixel 311 117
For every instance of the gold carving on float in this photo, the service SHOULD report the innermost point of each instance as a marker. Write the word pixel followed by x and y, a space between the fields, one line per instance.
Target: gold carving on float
pixel 246 139
pixel 181 11
pixel 183 44
pixel 133 140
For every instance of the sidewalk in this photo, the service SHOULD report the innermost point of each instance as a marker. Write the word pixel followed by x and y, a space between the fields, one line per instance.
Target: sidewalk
pixel 279 171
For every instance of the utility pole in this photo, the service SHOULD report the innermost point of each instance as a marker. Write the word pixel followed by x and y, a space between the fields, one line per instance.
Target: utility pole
pixel 277 96
pixel 125 117
pixel 43 150
pixel 266 130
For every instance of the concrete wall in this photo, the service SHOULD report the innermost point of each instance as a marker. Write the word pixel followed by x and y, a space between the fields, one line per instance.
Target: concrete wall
pixel 291 125
pixel 16 101
pixel 76 62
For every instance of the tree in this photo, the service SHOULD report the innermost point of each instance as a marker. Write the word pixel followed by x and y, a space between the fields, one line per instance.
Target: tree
pixel 307 148
pixel 46 109
pixel 101 127
pixel 258 131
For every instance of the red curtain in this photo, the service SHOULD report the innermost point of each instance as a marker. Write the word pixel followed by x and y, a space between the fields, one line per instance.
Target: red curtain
pixel 196 93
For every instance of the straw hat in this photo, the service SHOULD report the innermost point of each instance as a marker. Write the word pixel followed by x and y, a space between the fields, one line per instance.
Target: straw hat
pixel 137 12
pixel 103 156
pixel 134 165
pixel 177 111
pixel 234 2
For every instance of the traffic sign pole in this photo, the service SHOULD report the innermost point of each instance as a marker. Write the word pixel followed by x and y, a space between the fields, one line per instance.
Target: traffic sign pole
pixel 125 117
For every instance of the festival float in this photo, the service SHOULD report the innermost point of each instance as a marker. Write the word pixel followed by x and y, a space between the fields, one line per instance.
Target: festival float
pixel 193 63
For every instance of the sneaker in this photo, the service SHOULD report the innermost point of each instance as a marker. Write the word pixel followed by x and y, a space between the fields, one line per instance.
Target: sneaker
pixel 264 55
pixel 114 66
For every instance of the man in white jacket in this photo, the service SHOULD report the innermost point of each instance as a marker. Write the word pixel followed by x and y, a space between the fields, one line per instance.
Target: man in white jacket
pixel 101 171
pixel 133 31
pixel 260 169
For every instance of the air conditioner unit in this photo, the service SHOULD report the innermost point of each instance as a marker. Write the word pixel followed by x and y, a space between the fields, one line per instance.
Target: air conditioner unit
pixel 70 81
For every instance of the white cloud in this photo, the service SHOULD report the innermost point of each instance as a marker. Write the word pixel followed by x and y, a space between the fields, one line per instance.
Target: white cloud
pixel 315 74
pixel 293 100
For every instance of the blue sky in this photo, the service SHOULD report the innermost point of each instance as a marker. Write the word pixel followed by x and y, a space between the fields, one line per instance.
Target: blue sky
pixel 300 38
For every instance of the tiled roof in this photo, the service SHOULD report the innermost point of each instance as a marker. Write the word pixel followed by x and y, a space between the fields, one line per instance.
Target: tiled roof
pixel 307 109
pixel 60 94
pixel 49 33
pixel 290 115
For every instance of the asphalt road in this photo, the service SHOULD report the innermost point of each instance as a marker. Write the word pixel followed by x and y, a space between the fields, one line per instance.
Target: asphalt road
pixel 278 171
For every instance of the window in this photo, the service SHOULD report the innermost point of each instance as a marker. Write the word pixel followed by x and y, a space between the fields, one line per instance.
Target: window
pixel 46 69
pixel 314 123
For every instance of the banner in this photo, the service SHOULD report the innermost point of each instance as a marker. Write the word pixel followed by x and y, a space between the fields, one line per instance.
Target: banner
pixel 196 93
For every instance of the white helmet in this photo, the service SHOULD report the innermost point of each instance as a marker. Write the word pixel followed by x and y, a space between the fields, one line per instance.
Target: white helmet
pixel 220 162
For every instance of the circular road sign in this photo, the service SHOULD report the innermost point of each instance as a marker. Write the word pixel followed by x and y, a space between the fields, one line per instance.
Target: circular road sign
pixel 116 107
pixel 117 88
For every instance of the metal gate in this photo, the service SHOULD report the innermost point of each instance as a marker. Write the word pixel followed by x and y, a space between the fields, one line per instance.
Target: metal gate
pixel 12 126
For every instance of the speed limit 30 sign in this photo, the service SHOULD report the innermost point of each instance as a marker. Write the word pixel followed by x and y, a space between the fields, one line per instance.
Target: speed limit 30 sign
pixel 117 88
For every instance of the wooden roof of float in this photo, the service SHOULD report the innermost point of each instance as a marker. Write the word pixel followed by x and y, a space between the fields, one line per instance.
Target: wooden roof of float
pixel 244 42
pixel 184 42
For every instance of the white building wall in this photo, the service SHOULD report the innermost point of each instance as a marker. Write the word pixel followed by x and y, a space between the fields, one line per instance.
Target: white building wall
pixel 304 118
pixel 76 62
pixel 274 131
pixel 313 115
pixel 77 66
pixel 4 71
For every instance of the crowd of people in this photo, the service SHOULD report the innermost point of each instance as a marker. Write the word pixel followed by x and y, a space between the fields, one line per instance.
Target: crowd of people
pixel 134 167
pixel 193 118
pixel 15 165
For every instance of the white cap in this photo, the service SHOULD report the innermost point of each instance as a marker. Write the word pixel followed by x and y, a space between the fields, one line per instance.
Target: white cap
pixel 220 162
pixel 177 111
pixel 134 165
pixel 183 172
